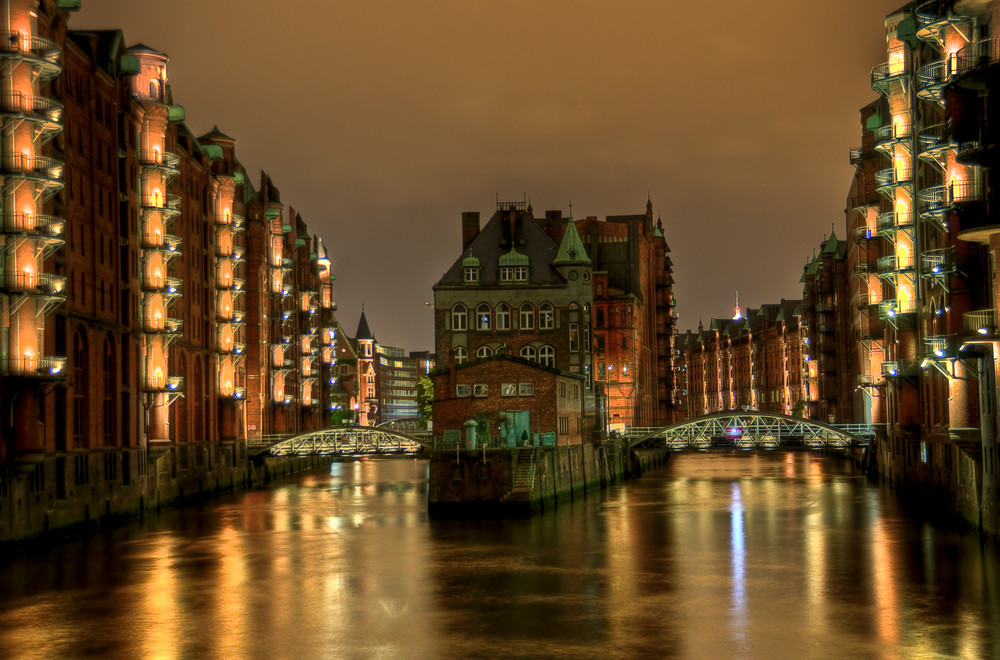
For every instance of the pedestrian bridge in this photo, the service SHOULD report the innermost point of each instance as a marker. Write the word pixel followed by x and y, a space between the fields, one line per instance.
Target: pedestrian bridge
pixel 750 430
pixel 349 441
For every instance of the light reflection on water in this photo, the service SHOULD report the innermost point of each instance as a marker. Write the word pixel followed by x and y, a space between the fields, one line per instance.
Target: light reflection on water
pixel 732 555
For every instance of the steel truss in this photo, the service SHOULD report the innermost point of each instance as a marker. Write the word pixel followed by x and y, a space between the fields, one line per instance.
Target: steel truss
pixel 347 441
pixel 751 430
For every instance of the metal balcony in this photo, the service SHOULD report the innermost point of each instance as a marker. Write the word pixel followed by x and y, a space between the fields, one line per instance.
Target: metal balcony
pixel 44 171
pixel 891 265
pixel 932 18
pixel 936 265
pixel 32 366
pixel 938 201
pixel 939 347
pixel 931 79
pixel 977 57
pixel 888 136
pixel 891 222
pixel 162 161
pixel 887 180
pixel 164 326
pixel 34 284
pixel 44 112
pixel 885 75
pixel 934 144
pixel 41 53
pixel 981 323
pixel 33 224
pixel 893 309
pixel 857 155
pixel 164 383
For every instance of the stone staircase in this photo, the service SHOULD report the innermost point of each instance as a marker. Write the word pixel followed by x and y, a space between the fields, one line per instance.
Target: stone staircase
pixel 523 477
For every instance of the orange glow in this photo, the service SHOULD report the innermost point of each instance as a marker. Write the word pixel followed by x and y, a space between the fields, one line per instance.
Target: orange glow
pixel 897 62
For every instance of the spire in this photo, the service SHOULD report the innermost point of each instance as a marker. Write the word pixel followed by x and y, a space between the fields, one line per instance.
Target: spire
pixel 571 250
pixel 738 310
pixel 364 332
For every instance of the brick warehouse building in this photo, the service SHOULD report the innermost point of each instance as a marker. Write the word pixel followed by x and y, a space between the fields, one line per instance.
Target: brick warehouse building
pixel 158 310
pixel 576 296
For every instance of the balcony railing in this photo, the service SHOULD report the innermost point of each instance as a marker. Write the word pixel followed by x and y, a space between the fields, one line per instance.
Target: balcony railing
pixel 883 75
pixel 164 383
pixel 894 264
pixel 33 366
pixel 33 223
pixel 889 223
pixel 164 326
pixel 41 52
pixel 42 167
pixel 41 107
pixel 886 180
pixel 934 143
pixel 978 55
pixel 939 346
pixel 931 79
pixel 982 322
pixel 890 309
pixel 38 284
pixel 856 155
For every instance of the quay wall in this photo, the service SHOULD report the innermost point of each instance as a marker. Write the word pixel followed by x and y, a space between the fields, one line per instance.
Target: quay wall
pixel 484 484
pixel 123 484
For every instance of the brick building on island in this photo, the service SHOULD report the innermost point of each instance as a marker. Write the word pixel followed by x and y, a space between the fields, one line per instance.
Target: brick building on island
pixel 589 302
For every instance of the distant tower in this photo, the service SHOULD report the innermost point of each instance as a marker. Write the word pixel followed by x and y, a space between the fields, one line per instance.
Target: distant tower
pixel 737 311
pixel 368 406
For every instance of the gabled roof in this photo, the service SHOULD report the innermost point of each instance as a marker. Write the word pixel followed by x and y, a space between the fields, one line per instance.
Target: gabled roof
pixel 216 134
pixel 489 245
pixel 143 48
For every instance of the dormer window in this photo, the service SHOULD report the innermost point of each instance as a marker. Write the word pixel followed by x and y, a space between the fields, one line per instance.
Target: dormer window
pixel 470 270
pixel 513 267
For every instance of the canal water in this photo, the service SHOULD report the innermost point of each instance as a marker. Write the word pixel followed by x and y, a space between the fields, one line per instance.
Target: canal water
pixel 756 555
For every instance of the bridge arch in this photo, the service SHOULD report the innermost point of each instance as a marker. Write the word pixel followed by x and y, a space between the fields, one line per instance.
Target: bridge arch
pixel 349 441
pixel 751 430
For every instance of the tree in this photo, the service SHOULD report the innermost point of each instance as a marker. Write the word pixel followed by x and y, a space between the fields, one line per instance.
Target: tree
pixel 425 397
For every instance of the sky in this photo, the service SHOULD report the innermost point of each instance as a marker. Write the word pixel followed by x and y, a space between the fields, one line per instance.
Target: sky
pixel 382 121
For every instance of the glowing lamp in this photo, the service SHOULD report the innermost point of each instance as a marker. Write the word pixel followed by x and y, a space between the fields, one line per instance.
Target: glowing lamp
pixel 983 331
pixel 171 386
pixel 238 394
pixel 939 352
pixel 55 369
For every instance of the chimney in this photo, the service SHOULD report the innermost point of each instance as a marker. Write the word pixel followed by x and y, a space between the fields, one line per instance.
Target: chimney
pixel 470 228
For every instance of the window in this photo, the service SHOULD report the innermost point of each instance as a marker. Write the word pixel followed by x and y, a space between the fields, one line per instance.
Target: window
pixel 371 393
pixel 574 337
pixel 508 389
pixel 600 343
pixel 527 317
pixel 520 273
pixel 463 389
pixel 471 274
pixel 461 355
pixel 506 273
pixel 458 317
pixel 546 317
pixel 503 317
pixel 564 426
pixel 529 353
pixel 547 356
pixel 484 352
pixel 526 389
pixel 483 317
pixel 562 390
pixel 600 318
pixel 480 390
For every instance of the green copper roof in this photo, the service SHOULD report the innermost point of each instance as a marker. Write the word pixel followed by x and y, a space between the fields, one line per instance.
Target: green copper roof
pixel 128 63
pixel 470 262
pixel 175 113
pixel 514 258
pixel 214 151
pixel 830 246
pixel 571 250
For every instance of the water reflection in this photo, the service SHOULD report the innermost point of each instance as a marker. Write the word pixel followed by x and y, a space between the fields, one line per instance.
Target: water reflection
pixel 752 555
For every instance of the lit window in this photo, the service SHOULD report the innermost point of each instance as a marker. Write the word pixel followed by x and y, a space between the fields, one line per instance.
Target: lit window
pixel 546 317
pixel 483 317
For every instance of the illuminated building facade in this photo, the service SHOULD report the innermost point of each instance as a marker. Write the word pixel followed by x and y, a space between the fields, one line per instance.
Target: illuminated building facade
pixel 938 294
pixel 750 362
pixel 147 288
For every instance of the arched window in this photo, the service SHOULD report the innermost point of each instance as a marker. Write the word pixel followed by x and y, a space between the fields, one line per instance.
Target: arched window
pixel 461 355
pixel 527 317
pixel 80 387
pixel 546 317
pixel 155 90
pixel 107 403
pixel 547 356
pixel 483 317
pixel 459 314
pixel 484 352
pixel 529 353
pixel 503 317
